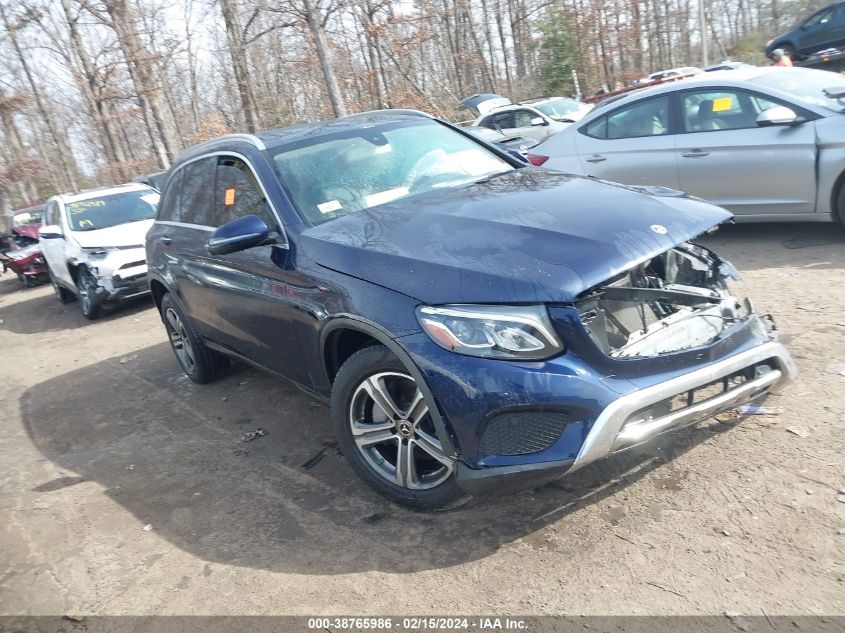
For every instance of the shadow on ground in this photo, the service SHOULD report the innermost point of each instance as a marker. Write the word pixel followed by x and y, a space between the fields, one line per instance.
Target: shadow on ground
pixel 38 311
pixel 170 453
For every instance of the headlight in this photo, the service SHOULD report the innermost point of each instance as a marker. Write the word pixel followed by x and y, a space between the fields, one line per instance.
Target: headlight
pixel 512 332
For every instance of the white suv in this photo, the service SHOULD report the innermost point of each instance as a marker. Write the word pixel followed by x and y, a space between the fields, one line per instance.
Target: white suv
pixel 93 243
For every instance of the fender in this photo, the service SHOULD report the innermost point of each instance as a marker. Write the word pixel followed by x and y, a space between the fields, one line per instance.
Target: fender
pixel 365 326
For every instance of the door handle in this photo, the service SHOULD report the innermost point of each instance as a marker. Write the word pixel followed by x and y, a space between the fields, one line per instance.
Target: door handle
pixel 595 158
pixel 165 239
pixel 694 153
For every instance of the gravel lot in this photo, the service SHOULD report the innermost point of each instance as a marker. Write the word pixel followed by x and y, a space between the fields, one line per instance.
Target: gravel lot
pixel 102 436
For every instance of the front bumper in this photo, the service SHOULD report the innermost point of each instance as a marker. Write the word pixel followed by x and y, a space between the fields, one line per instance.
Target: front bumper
pixel 606 412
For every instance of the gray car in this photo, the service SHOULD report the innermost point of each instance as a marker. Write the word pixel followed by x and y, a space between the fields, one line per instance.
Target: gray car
pixel 765 143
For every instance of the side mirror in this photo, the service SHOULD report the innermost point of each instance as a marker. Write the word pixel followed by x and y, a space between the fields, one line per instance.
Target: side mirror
pixel 238 235
pixel 538 120
pixel 779 115
pixel 51 232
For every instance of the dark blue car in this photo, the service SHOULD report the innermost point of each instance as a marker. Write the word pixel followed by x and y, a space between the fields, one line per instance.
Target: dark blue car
pixel 477 323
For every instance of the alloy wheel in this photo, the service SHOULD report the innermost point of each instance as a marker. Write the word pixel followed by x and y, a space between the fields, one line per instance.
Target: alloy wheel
pixel 393 429
pixel 179 340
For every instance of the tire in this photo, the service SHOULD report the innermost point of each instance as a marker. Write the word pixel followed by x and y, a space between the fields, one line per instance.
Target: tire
pixel 839 211
pixel 401 428
pixel 201 364
pixel 789 51
pixel 86 289
pixel 62 294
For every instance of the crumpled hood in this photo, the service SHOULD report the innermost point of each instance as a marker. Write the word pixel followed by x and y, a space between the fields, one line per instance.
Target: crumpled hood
pixel 531 235
pixel 130 234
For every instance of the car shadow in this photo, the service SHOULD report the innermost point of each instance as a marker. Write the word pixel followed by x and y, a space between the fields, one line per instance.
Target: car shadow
pixel 170 452
pixel 42 312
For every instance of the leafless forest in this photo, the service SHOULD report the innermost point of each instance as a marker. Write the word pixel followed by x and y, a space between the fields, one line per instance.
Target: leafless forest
pixel 98 91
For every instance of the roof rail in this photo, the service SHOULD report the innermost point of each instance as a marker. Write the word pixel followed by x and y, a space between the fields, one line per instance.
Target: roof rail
pixel 244 138
pixel 419 113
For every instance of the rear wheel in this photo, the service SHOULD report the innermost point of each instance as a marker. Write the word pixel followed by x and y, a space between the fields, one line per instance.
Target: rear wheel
pixel 200 364
pixel 62 294
pixel 385 428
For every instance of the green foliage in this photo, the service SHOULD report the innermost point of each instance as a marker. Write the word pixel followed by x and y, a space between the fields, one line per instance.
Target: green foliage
pixel 559 53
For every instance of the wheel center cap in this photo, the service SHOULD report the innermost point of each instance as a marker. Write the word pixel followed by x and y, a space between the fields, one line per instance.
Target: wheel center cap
pixel 405 428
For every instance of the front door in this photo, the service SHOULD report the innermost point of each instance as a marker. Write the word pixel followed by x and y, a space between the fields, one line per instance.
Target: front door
pixel 724 157
pixel 53 249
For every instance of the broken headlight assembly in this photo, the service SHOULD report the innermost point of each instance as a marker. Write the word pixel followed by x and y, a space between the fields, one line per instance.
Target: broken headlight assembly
pixel 506 332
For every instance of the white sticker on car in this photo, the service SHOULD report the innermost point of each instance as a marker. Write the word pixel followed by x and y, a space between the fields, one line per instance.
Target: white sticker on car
pixel 328 207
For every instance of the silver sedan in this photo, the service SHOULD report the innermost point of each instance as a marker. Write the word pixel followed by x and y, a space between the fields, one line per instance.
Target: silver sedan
pixel 766 143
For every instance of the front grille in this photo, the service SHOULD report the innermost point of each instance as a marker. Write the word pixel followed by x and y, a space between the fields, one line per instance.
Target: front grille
pixel 521 433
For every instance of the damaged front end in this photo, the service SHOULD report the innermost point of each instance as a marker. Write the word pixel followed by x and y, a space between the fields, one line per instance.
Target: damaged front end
pixel 675 301
pixel 115 273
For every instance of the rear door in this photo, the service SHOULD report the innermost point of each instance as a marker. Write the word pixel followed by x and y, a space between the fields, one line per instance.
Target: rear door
pixel 631 144
pixel 724 157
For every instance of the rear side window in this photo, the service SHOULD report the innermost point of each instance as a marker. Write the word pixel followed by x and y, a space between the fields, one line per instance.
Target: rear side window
pixel 196 205
pixel 502 120
pixel 522 118
pixel 168 209
pixel 644 118
pixel 237 194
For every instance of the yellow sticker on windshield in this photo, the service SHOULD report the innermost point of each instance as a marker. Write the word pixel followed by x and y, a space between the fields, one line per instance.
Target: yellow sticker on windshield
pixel 230 197
pixel 85 222
pixel 722 103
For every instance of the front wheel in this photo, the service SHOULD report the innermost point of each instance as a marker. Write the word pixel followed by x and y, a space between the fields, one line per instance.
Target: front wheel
pixel 86 289
pixel 385 429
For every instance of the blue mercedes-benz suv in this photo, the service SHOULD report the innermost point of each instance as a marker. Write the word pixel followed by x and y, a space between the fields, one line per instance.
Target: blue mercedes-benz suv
pixel 477 323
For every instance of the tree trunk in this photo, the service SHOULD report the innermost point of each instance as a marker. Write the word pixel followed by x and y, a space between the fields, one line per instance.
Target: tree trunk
pixel 142 71
pixel 239 64
pixel 322 46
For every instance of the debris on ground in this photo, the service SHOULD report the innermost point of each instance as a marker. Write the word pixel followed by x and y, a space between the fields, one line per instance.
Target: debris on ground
pixel 130 467
pixel 800 431
pixel 248 437
pixel 148 527
pixel 758 409
pixel 314 460
pixel 127 359
pixel 723 531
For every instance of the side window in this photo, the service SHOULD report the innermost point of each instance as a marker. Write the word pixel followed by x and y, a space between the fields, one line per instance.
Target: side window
pixel 522 118
pixel 195 202
pixel 502 120
pixel 168 209
pixel 237 194
pixel 644 118
pixel 822 17
pixel 721 110
pixel 51 214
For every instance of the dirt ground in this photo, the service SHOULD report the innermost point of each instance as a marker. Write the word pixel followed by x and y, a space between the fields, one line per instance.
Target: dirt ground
pixel 102 436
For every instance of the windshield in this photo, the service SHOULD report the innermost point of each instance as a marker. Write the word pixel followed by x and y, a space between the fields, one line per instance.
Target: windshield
pixel 111 210
pixel 559 108
pixel 805 85
pixel 341 173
